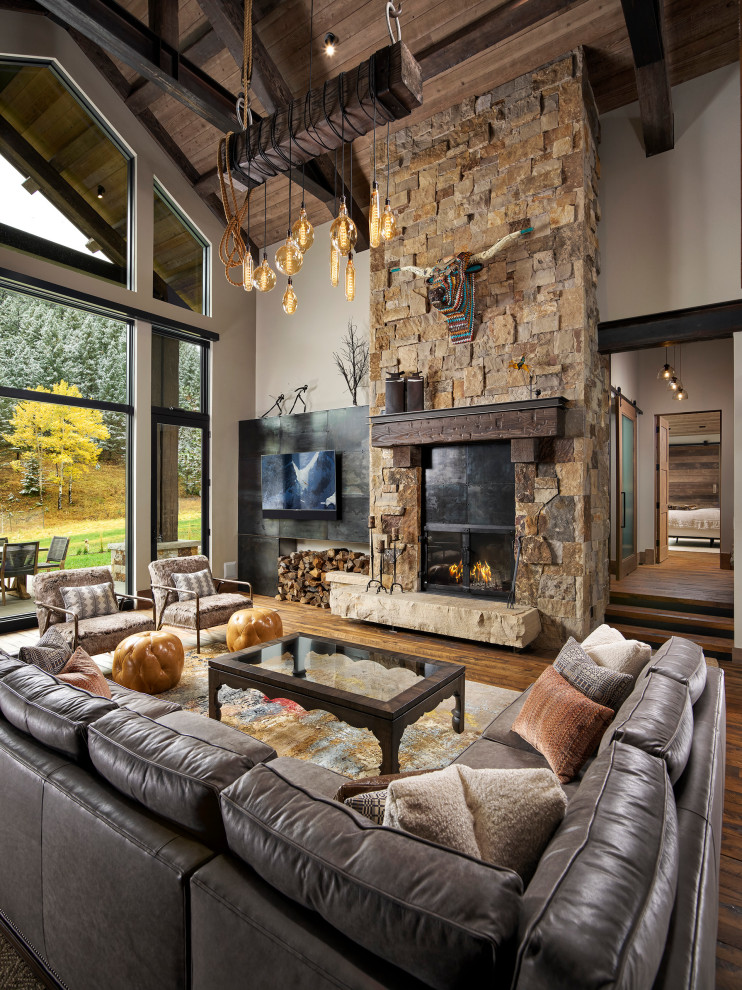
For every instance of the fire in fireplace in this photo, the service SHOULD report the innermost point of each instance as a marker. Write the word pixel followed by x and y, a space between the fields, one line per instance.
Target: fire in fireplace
pixel 469 519
pixel 475 560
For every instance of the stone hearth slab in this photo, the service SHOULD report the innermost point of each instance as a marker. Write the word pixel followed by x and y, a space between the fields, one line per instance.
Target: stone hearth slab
pixel 447 615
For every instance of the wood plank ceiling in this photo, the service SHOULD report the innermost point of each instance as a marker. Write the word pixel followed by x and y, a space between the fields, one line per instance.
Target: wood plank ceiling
pixel 699 36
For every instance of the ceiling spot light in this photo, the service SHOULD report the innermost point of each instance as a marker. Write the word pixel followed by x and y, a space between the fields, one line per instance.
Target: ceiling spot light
pixel 331 43
pixel 101 192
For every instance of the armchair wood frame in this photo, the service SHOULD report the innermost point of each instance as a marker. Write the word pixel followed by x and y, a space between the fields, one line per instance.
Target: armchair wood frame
pixel 75 618
pixel 169 589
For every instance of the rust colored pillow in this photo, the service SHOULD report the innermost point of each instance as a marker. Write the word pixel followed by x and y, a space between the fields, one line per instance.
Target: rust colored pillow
pixel 561 723
pixel 83 672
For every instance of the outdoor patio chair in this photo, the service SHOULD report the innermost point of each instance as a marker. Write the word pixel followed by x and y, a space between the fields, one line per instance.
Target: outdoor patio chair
pixel 17 562
pixel 195 611
pixel 56 554
pixel 98 634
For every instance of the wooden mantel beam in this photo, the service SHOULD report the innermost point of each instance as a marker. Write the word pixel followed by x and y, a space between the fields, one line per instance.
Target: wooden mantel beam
pixel 644 24
pixel 116 31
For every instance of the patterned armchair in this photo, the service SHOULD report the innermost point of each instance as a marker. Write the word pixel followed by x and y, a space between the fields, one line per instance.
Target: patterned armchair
pixel 98 634
pixel 195 611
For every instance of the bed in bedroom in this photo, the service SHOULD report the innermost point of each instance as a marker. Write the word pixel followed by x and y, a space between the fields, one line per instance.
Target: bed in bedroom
pixel 698 524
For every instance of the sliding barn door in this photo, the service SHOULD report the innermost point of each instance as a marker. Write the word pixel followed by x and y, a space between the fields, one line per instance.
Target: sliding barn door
pixel 626 504
pixel 662 435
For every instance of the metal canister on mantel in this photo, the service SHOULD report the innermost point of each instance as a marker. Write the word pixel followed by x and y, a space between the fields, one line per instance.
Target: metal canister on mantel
pixel 394 393
pixel 414 386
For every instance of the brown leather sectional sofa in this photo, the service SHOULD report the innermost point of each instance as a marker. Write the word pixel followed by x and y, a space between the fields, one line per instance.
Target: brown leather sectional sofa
pixel 143 846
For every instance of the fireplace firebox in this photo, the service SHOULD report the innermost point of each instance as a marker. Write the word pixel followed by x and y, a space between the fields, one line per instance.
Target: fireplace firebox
pixel 473 560
pixel 469 520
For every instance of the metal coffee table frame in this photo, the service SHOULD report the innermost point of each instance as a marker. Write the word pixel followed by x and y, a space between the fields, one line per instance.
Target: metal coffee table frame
pixel 386 719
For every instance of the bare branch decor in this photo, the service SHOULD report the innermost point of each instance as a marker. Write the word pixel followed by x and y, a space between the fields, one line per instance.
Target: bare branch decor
pixel 352 361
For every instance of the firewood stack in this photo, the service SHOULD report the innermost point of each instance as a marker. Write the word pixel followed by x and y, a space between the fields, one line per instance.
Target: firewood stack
pixel 300 574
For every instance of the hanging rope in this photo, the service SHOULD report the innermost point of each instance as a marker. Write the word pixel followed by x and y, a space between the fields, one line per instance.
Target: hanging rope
pixel 232 248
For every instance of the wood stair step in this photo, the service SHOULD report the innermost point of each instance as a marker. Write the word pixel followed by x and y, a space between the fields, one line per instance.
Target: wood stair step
pixel 682 622
pixel 672 604
pixel 712 646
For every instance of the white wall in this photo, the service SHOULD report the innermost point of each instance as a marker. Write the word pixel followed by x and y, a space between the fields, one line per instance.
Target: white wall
pixel 670 229
pixel 232 310
pixel 708 375
pixel 297 350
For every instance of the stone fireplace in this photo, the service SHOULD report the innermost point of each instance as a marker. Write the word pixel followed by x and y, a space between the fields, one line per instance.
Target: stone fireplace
pixel 522 155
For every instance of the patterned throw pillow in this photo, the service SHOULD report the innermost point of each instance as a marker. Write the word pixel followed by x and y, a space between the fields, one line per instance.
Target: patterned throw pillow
pixel 90 600
pixel 600 684
pixel 198 581
pixel 51 652
pixel 83 672
pixel 371 804
pixel 562 724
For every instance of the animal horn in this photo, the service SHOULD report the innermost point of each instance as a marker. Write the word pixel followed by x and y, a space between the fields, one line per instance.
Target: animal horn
pixel 423 272
pixel 499 245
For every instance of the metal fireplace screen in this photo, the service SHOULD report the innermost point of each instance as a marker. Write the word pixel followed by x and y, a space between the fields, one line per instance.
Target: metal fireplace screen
pixel 472 560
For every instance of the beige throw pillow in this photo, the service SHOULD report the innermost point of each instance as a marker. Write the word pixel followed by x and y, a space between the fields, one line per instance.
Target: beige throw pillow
pixel 602 635
pixel 504 817
pixel 628 656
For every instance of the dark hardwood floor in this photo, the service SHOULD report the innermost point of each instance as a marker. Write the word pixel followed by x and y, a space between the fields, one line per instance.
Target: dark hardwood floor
pixel 509 669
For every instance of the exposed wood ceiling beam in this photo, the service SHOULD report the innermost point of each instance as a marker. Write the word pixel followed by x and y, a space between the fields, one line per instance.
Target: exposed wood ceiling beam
pixel 644 24
pixel 270 87
pixel 118 32
pixel 489 29
pixel 667 329
pixel 198 49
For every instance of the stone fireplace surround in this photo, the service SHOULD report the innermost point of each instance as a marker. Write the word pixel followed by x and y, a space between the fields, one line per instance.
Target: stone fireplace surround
pixel 524 154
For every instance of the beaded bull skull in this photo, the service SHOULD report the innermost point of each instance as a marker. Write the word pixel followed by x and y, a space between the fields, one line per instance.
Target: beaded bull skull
pixel 451 286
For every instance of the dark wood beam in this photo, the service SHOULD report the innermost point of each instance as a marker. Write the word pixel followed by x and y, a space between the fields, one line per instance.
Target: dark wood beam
pixel 489 29
pixel 118 32
pixel 644 24
pixel 270 87
pixel 204 45
pixel 680 326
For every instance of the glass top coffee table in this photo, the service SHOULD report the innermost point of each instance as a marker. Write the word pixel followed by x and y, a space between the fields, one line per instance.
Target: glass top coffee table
pixel 371 689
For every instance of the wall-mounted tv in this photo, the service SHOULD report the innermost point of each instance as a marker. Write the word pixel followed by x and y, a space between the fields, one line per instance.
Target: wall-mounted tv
pixel 300 486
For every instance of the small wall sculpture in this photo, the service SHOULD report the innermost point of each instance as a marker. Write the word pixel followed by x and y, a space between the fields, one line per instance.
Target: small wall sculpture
pixel 451 285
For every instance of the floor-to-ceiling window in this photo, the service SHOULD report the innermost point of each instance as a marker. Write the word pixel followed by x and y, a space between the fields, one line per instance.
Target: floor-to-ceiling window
pixel 65 418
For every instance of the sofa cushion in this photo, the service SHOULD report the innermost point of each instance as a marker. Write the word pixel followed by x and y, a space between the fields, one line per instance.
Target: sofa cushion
pixel 658 718
pixel 104 632
pixel 136 701
pixel 9 664
pixel 173 774
pixel 505 817
pixel 500 728
pixel 561 723
pixel 51 652
pixel 89 601
pixel 213 611
pixel 83 672
pixel 684 661
pixel 599 684
pixel 218 734
pixel 597 911
pixel 55 714
pixel 445 918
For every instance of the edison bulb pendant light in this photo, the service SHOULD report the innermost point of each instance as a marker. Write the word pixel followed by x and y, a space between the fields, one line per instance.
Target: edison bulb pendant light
pixel 666 372
pixel 388 223
pixel 265 277
pixel 673 384
pixel 374 219
pixel 289 258
pixel 680 394
pixel 343 232
pixel 290 302
pixel 334 265
pixel 350 279
pixel 247 272
pixel 303 232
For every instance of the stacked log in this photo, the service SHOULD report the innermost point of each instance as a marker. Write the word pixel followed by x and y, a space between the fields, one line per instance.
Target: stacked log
pixel 301 574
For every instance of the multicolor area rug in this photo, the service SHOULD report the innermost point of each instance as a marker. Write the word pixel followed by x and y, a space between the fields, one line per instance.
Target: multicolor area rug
pixel 318 736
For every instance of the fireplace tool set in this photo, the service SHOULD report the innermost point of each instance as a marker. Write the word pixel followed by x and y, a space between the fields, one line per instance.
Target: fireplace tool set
pixel 395 551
